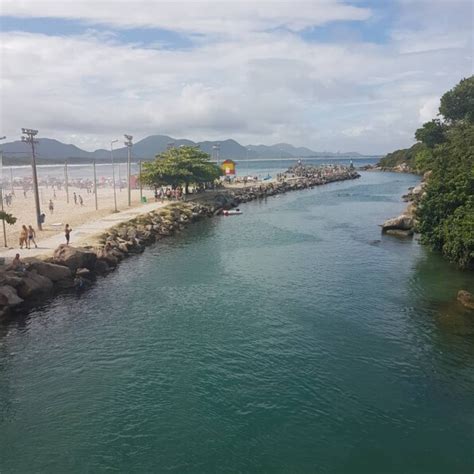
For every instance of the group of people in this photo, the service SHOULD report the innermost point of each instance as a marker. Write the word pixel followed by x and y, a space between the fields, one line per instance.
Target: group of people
pixel 171 194
pixel 78 199
pixel 7 199
pixel 27 237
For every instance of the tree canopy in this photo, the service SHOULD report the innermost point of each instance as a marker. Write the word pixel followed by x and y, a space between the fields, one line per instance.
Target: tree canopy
pixel 458 103
pixel 446 148
pixel 8 218
pixel 446 212
pixel 180 167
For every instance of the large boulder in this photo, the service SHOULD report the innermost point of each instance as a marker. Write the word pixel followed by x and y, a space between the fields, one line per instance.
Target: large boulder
pixel 11 278
pixel 52 271
pixel 403 222
pixel 466 299
pixel 74 257
pixel 9 297
pixel 34 285
pixel 403 234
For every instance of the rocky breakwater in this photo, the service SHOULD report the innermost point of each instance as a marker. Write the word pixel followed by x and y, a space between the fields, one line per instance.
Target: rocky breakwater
pixel 75 268
pixel 294 179
pixel 405 224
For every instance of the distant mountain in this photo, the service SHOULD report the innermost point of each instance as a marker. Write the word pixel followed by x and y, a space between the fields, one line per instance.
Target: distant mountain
pixel 54 151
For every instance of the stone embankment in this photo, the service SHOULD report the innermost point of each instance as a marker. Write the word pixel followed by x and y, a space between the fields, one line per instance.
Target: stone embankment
pixel 405 224
pixel 75 268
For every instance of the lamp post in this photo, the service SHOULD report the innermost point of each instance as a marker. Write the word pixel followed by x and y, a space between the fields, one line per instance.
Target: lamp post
pixel 113 172
pixel 95 187
pixel 217 147
pixel 66 181
pixel 29 137
pixel 1 196
pixel 128 143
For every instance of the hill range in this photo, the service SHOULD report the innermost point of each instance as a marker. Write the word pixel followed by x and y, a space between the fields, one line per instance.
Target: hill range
pixel 53 151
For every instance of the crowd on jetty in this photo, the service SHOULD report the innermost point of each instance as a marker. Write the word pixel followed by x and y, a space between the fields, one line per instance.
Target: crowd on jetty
pixel 27 282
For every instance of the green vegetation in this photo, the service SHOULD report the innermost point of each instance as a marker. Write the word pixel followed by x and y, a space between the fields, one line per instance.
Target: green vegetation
pixel 8 218
pixel 404 158
pixel 180 167
pixel 445 212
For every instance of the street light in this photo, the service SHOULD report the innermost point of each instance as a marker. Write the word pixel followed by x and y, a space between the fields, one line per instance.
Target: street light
pixel 28 137
pixel 128 143
pixel 1 195
pixel 113 171
pixel 217 147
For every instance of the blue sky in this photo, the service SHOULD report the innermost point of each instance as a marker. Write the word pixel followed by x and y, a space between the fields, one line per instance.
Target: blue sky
pixel 331 75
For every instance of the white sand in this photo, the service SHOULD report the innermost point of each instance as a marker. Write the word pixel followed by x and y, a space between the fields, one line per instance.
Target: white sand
pixel 73 214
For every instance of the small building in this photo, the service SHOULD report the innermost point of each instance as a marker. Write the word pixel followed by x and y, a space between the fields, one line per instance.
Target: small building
pixel 228 167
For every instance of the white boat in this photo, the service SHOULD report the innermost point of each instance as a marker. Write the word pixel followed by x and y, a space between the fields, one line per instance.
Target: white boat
pixel 233 212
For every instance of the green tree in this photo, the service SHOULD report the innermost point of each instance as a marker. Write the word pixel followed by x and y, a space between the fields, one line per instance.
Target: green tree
pixel 446 212
pixel 8 218
pixel 458 103
pixel 181 166
pixel 431 133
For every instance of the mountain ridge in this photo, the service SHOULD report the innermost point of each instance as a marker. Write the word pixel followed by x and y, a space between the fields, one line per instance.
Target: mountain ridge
pixel 52 150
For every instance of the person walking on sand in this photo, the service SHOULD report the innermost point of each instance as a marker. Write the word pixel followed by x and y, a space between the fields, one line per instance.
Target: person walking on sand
pixel 67 233
pixel 51 206
pixel 81 202
pixel 31 236
pixel 24 236
pixel 75 198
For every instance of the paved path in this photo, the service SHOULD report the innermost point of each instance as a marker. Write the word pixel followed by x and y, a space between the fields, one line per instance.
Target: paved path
pixel 81 235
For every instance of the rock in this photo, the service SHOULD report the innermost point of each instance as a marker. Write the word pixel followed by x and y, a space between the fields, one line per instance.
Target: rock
pixel 11 278
pixel 9 296
pixel 403 222
pixel 399 233
pixel 74 258
pixel 85 273
pixel 101 267
pixel 466 299
pixel 34 285
pixel 52 271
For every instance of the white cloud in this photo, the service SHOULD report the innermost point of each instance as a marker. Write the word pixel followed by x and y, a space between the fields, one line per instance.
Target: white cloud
pixel 429 109
pixel 251 85
pixel 198 16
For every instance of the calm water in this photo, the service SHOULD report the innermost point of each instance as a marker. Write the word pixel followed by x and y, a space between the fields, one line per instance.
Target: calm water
pixel 289 339
pixel 254 167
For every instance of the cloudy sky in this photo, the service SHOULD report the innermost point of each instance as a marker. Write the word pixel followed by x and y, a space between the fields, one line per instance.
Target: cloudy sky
pixel 329 74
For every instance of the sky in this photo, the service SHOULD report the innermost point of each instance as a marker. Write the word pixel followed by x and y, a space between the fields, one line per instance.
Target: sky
pixel 332 75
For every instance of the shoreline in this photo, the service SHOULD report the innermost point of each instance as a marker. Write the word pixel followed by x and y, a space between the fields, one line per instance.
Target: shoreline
pixel 75 268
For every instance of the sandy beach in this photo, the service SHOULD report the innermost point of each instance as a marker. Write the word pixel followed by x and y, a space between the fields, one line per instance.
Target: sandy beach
pixel 23 208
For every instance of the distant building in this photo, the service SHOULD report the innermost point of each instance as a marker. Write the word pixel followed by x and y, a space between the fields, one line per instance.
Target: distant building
pixel 228 167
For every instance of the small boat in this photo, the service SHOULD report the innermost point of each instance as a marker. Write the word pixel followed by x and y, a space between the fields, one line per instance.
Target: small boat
pixel 233 212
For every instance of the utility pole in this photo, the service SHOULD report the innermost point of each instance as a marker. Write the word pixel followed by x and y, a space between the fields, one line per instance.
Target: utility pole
pixel 128 143
pixel 11 180
pixel 95 189
pixel 113 172
pixel 29 137
pixel 1 196
pixel 140 178
pixel 217 147
pixel 66 182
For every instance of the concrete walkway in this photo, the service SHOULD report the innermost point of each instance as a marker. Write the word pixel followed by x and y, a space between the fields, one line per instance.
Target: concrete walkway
pixel 84 234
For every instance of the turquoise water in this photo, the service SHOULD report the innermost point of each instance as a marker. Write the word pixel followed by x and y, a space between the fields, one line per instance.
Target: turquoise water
pixel 290 339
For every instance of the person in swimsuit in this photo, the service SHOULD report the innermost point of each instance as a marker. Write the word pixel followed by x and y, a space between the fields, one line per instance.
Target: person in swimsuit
pixel 31 236
pixel 24 236
pixel 67 233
